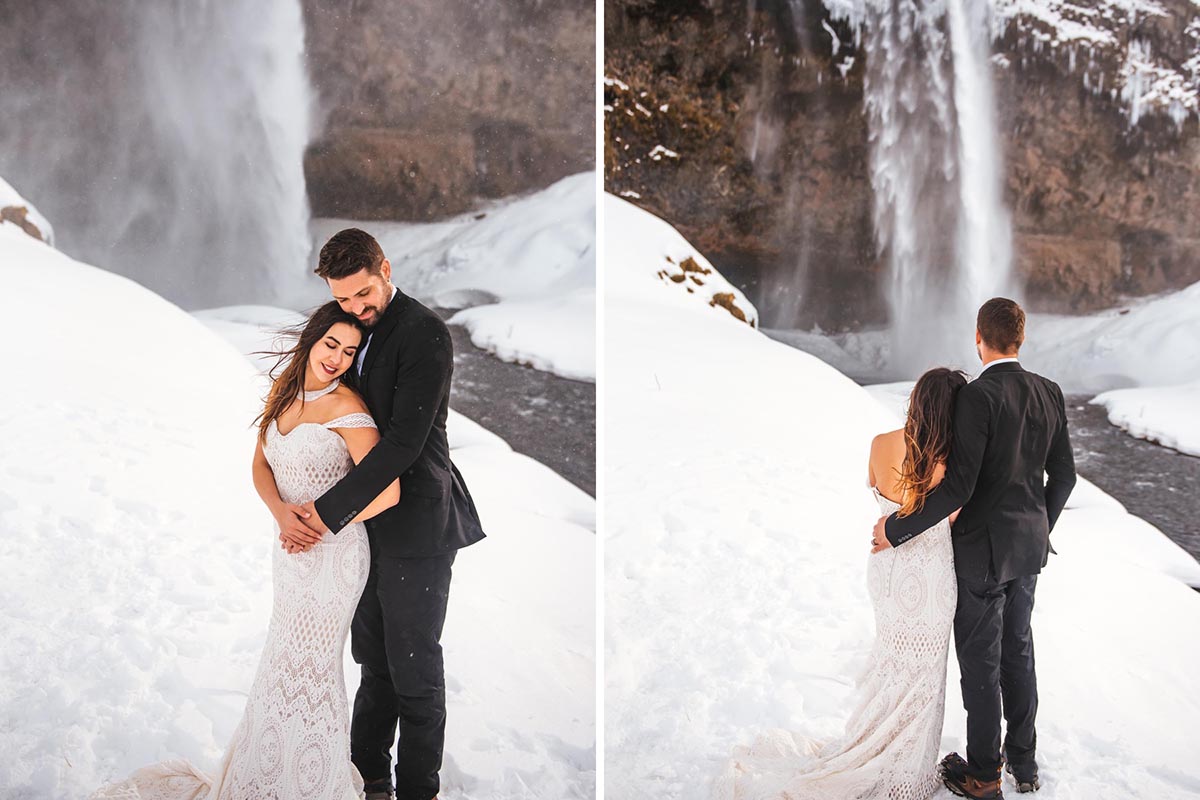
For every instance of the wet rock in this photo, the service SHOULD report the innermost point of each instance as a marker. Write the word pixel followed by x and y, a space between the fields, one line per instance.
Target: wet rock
pixel 427 106
pixel 763 105
pixel 19 216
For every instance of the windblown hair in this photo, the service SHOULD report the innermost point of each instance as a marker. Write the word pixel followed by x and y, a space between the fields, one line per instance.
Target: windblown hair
pixel 1001 324
pixel 289 384
pixel 347 252
pixel 928 434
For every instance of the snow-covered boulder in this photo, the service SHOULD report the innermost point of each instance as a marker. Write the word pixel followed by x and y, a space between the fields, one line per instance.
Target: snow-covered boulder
pixel 638 240
pixel 16 210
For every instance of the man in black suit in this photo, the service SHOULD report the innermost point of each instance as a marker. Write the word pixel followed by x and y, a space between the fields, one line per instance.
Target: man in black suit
pixel 1010 433
pixel 403 372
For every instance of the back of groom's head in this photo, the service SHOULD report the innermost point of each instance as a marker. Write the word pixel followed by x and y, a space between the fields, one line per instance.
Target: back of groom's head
pixel 347 252
pixel 1001 325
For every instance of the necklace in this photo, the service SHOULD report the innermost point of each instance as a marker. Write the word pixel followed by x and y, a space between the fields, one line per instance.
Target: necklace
pixel 319 393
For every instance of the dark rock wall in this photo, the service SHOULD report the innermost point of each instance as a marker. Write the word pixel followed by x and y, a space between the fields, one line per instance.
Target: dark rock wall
pixel 769 166
pixel 426 106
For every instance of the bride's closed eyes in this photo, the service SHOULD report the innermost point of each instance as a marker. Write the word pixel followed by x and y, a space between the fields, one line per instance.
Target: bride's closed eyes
pixel 332 344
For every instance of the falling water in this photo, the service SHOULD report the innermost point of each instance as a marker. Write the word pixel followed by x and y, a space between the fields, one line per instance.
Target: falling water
pixel 940 221
pixel 164 140
pixel 984 228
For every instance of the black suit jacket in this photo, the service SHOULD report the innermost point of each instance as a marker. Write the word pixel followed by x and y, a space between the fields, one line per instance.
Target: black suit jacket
pixel 1010 432
pixel 406 384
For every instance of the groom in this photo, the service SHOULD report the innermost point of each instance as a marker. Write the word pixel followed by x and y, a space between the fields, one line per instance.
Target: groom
pixel 403 371
pixel 1010 432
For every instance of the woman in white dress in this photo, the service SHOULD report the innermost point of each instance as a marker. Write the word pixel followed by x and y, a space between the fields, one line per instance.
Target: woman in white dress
pixel 889 749
pixel 293 741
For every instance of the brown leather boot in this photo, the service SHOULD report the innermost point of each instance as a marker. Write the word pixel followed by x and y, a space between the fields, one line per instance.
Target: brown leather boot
pixel 952 771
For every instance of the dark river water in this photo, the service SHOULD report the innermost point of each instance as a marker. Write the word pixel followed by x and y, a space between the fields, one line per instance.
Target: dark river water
pixel 1160 485
pixel 548 418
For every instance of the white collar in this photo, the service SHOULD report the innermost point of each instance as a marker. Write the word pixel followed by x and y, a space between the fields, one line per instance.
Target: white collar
pixel 1012 360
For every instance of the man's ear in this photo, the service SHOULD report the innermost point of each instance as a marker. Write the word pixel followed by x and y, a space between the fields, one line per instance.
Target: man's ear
pixel 385 269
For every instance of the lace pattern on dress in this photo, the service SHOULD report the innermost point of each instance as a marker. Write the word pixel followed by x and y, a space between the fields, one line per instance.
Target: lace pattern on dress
pixel 889 749
pixel 293 742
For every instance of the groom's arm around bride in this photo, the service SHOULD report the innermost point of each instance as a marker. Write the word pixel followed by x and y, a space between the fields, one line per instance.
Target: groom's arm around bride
pixel 1010 470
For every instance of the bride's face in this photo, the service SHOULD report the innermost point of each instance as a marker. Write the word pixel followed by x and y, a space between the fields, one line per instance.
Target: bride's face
pixel 334 354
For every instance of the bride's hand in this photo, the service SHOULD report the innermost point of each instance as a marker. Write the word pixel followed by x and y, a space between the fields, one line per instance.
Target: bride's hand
pixel 879 540
pixel 294 533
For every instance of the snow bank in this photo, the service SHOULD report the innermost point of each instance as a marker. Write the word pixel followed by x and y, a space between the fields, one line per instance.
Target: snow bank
pixel 13 207
pixel 253 330
pixel 649 252
pixel 137 582
pixel 526 267
pixel 1166 415
pixel 737 528
pixel 1146 342
pixel 1149 342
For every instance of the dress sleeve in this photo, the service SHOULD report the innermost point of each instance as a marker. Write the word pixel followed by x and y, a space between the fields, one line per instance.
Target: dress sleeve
pixel 355 420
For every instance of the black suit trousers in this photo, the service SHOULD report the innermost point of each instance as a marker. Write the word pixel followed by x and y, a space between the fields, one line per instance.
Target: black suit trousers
pixel 395 637
pixel 994 644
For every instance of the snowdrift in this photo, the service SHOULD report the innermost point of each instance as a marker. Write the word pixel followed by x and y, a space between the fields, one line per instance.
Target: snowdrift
pixel 137 583
pixel 522 270
pixel 737 537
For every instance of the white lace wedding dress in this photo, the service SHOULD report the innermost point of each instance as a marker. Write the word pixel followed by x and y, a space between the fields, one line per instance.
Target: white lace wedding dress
pixel 889 750
pixel 293 742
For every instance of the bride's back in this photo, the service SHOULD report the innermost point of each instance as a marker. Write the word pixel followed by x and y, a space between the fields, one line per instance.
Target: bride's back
pixel 886 464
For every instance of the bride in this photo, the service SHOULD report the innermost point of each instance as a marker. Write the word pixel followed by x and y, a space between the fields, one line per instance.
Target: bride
pixel 294 739
pixel 890 745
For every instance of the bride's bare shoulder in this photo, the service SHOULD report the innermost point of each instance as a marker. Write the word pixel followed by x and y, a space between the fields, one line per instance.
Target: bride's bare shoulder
pixel 347 401
pixel 888 440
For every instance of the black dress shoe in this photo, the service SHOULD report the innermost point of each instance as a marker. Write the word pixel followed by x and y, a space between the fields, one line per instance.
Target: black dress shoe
pixel 1025 776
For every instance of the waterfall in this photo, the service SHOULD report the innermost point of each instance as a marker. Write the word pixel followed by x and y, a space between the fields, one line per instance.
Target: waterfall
pixel 936 171
pixel 984 227
pixel 165 140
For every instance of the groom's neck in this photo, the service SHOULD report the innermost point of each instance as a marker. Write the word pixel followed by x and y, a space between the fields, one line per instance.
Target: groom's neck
pixel 988 356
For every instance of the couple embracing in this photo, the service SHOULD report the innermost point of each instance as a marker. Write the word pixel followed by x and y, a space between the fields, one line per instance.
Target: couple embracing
pixel 353 462
pixel 969 489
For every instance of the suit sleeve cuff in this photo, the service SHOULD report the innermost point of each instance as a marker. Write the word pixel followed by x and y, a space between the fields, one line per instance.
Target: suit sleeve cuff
pixel 892 532
pixel 327 515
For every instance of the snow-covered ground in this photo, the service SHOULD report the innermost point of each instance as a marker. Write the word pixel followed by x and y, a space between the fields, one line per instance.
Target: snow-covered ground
pixel 523 272
pixel 1166 414
pixel 137 582
pixel 737 528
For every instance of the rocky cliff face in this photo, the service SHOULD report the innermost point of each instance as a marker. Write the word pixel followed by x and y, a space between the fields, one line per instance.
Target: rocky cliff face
pixel 743 125
pixel 426 106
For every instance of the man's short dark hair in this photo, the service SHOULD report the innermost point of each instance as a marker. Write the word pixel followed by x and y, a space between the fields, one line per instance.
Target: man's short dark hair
pixel 1001 324
pixel 347 252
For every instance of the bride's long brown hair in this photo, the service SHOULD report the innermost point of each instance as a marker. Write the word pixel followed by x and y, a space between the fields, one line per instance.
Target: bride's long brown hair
pixel 289 385
pixel 928 434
